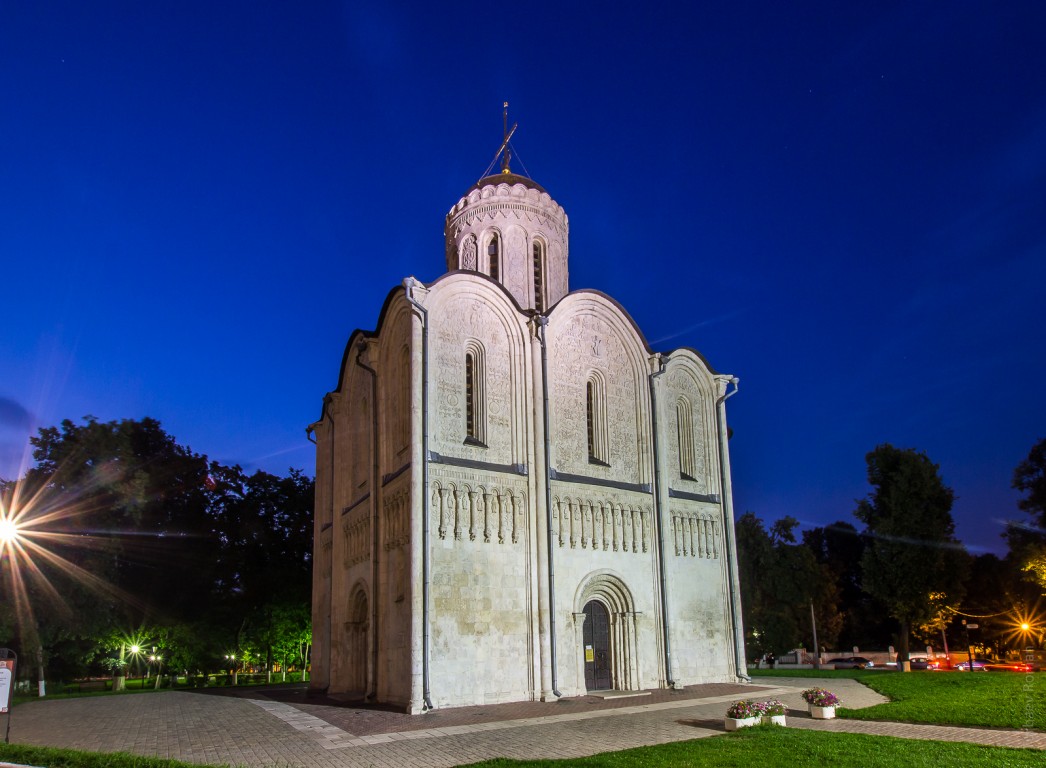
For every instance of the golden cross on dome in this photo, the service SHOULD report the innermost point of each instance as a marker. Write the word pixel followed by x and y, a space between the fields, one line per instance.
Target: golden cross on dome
pixel 503 151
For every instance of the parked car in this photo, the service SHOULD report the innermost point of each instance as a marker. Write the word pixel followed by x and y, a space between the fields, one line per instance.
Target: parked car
pixel 1009 666
pixel 852 662
pixel 979 665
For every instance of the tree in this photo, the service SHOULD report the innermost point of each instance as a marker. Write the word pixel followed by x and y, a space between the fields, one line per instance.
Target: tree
pixel 839 548
pixel 779 579
pixel 132 495
pixel 912 551
pixel 266 565
pixel 1030 478
pixel 1028 542
pixel 142 532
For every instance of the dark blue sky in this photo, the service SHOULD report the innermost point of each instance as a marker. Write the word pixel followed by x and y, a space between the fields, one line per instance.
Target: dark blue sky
pixel 842 204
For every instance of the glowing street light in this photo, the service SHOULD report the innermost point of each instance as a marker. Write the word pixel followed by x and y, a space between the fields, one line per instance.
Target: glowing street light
pixel 8 532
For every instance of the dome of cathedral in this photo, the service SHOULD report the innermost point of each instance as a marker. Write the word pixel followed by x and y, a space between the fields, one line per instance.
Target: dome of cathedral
pixel 509 228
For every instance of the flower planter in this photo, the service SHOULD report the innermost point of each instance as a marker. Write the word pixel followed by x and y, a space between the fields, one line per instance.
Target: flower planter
pixel 822 713
pixel 773 719
pixel 734 723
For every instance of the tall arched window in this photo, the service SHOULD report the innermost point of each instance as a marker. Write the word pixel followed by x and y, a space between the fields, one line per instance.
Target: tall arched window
pixel 475 396
pixel 539 276
pixel 494 256
pixel 685 438
pixel 596 420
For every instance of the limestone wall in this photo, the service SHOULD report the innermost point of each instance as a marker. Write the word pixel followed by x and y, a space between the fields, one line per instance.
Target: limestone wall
pixel 482 598
pixel 609 558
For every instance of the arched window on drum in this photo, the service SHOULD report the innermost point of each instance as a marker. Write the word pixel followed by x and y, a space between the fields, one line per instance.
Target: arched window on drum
pixel 494 256
pixel 539 275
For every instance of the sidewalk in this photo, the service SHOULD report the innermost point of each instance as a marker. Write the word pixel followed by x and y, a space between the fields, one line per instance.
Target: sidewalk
pixel 279 726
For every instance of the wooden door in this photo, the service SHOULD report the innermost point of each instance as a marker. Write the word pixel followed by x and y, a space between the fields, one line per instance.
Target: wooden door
pixel 597 647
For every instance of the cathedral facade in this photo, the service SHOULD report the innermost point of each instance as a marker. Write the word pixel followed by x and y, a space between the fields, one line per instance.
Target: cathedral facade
pixel 516 498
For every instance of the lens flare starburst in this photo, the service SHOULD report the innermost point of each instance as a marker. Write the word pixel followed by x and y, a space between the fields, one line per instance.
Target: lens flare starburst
pixel 1026 627
pixel 32 531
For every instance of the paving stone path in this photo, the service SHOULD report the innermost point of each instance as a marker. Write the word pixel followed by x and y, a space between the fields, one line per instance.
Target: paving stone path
pixel 280 727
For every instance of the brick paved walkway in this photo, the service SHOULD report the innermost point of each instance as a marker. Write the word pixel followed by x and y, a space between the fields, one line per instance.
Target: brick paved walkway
pixel 280 727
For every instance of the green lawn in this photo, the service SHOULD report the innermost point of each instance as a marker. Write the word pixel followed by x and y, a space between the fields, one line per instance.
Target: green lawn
pixel 773 746
pixel 988 699
pixel 762 746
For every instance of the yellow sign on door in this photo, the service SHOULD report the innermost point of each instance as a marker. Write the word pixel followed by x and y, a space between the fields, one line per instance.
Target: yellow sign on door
pixel 590 655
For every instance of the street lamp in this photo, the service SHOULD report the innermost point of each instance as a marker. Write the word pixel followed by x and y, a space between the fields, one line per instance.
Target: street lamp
pixel 158 661
pixel 233 667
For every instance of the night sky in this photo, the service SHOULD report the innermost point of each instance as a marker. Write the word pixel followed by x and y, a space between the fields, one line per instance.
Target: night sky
pixel 843 204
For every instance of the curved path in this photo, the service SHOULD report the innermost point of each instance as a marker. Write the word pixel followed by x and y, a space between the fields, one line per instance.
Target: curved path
pixel 280 726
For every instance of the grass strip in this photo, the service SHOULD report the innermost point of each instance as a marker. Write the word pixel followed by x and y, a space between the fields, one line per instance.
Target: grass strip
pixel 769 746
pixel 50 757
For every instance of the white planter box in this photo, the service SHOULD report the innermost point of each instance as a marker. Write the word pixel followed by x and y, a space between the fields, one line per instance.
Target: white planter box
pixel 822 713
pixel 773 719
pixel 734 723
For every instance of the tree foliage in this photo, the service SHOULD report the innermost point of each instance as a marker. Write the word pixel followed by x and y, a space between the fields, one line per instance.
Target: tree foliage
pixel 145 533
pixel 912 551
pixel 1030 479
pixel 779 579
pixel 1028 542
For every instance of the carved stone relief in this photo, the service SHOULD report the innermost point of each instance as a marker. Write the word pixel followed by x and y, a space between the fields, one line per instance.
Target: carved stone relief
pixel 396 519
pixel 467 253
pixel 356 529
pixel 487 514
pixel 695 534
pixel 601 524
pixel 681 383
pixel 516 266
pixel 589 344
pixel 477 325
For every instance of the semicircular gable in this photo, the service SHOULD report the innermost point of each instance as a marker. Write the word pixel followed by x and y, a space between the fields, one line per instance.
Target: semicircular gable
pixel 610 439
pixel 593 298
pixel 459 285
pixel 691 439
pixel 686 365
pixel 395 387
pixel 478 412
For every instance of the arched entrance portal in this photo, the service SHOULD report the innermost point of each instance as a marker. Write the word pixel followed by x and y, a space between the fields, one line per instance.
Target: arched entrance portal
pixel 606 627
pixel 597 646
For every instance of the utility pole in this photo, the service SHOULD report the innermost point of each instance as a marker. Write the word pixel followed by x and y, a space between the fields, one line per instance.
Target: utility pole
pixel 969 651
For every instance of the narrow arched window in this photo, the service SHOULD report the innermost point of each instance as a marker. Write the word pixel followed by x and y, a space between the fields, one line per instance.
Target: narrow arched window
pixel 590 418
pixel 596 421
pixel 475 396
pixel 470 395
pixel 539 276
pixel 685 439
pixel 494 256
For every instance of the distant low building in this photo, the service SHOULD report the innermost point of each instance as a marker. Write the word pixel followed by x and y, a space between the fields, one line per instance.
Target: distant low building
pixel 516 498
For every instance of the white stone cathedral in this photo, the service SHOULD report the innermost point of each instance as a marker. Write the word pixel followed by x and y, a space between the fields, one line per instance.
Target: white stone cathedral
pixel 516 498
